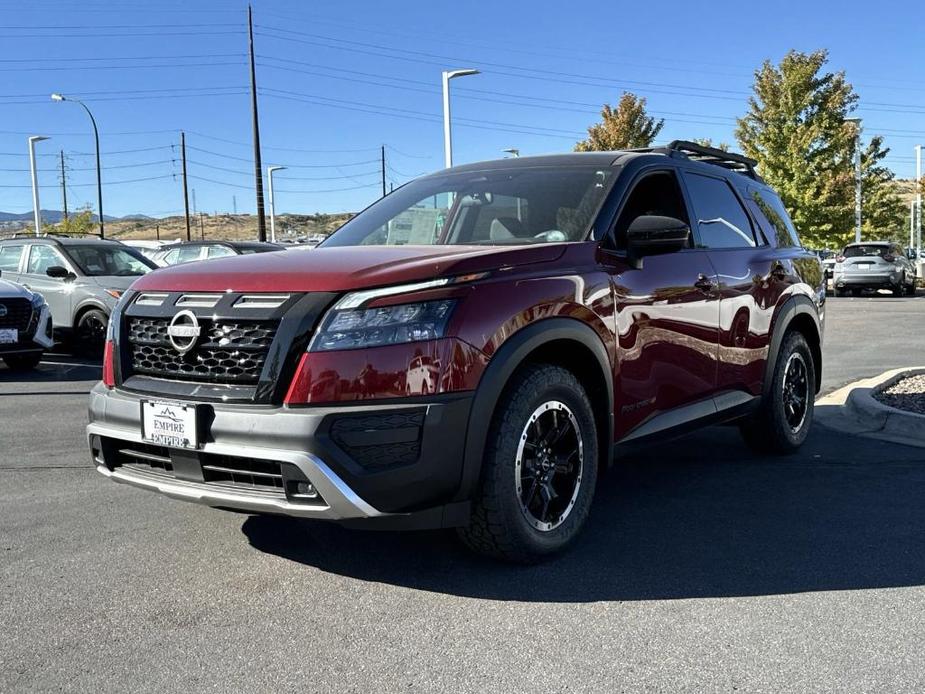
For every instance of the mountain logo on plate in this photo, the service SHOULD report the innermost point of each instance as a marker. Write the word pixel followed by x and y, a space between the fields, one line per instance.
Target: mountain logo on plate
pixel 183 331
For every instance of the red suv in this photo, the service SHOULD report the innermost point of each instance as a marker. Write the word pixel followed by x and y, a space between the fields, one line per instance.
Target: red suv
pixel 471 350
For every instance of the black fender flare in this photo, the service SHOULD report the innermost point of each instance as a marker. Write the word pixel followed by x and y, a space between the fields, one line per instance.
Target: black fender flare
pixel 504 362
pixel 796 305
pixel 88 305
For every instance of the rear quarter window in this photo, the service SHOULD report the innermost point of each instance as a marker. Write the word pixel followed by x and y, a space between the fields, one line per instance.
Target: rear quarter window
pixel 773 218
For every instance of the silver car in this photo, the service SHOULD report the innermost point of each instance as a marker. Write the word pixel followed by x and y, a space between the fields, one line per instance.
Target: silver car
pixel 874 265
pixel 80 278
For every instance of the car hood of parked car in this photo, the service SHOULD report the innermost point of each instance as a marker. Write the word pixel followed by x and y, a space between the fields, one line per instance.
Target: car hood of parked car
pixel 342 268
pixel 11 289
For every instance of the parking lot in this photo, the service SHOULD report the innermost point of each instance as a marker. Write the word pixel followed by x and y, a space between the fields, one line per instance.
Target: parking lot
pixel 703 568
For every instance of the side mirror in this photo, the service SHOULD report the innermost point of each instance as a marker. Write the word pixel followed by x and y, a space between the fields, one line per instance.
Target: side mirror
pixel 59 273
pixel 655 235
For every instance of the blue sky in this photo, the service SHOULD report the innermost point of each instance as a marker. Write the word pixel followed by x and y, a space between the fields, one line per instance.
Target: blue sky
pixel 337 80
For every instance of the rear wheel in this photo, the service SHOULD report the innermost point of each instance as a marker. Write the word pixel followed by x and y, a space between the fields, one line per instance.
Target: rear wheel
pixel 23 362
pixel 910 288
pixel 900 288
pixel 539 470
pixel 782 423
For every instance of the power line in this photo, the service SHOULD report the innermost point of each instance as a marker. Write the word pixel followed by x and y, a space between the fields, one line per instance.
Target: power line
pixel 245 187
pixel 70 59
pixel 108 183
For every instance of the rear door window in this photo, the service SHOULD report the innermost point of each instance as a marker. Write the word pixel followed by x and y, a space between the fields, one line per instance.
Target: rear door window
pixel 9 257
pixel 721 219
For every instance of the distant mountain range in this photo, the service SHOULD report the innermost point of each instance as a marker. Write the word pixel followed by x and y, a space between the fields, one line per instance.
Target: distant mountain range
pixel 55 216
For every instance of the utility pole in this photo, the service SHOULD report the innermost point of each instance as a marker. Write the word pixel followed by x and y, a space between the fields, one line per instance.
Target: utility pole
pixel 63 185
pixel 185 190
pixel 234 204
pixel 202 230
pixel 258 164
pixel 383 170
pixel 157 231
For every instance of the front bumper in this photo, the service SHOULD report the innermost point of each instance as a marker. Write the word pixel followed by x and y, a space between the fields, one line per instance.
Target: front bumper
pixel 342 451
pixel 37 339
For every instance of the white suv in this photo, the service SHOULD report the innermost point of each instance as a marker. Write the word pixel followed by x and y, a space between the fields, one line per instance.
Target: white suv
pixel 25 326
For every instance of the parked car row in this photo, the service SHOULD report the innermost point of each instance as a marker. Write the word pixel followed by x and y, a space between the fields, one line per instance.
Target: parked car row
pixel 66 288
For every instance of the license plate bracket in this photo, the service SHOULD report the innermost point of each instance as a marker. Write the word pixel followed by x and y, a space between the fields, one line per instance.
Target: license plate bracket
pixel 170 424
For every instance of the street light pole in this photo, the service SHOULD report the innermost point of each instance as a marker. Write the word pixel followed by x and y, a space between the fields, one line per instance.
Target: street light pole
pixel 447 132
pixel 270 170
pixel 857 178
pixel 918 203
pixel 36 209
pixel 99 171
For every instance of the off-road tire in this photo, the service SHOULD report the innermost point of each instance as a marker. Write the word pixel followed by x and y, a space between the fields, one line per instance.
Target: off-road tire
pixel 767 430
pixel 499 527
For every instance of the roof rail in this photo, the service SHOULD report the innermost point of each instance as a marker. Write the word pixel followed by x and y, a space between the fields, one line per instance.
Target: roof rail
pixel 719 157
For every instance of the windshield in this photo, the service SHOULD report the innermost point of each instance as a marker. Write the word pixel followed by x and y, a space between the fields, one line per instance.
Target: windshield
pixel 866 251
pixel 496 207
pixel 109 261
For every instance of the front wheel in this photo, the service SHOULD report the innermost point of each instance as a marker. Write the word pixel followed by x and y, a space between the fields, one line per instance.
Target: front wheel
pixel 540 468
pixel 90 333
pixel 782 423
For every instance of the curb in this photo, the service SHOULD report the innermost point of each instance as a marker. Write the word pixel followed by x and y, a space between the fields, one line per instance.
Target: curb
pixel 854 409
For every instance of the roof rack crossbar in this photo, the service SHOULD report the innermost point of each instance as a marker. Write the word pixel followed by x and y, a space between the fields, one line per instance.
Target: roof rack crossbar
pixel 712 155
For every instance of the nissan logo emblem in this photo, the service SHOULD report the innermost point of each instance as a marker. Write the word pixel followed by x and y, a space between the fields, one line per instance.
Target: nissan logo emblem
pixel 3 310
pixel 183 331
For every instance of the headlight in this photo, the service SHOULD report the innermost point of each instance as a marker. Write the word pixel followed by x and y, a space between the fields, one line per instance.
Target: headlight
pixel 352 328
pixel 38 301
pixel 115 317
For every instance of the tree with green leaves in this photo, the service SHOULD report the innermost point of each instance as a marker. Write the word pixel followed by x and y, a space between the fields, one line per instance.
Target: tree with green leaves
pixel 883 212
pixel 624 127
pixel 796 128
pixel 77 224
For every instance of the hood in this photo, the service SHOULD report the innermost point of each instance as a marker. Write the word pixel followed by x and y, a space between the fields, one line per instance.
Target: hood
pixel 113 281
pixel 341 268
pixel 9 290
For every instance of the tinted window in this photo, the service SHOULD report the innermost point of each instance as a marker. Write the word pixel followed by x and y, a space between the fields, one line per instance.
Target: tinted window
pixel 866 251
pixel 43 257
pixel 656 194
pixel 9 257
pixel 773 218
pixel 722 220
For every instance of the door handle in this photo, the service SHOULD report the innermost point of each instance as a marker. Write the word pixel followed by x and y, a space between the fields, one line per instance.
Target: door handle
pixel 704 283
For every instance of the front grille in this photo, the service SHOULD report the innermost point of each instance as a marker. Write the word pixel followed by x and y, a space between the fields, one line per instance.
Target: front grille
pixel 242 472
pixel 227 351
pixel 264 477
pixel 18 314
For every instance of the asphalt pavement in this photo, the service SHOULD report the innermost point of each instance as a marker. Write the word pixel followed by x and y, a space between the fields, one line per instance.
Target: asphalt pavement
pixel 703 568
